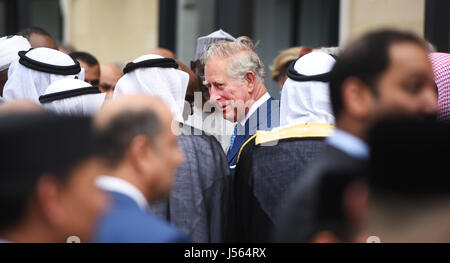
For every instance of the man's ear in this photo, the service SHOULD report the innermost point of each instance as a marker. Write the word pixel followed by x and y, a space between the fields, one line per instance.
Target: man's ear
pixel 250 79
pixel 48 199
pixel 356 202
pixel 357 98
pixel 140 152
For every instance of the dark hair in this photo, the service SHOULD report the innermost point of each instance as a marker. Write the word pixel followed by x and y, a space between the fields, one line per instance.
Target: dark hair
pixel 27 32
pixel 366 58
pixel 34 144
pixel 114 138
pixel 85 57
pixel 330 214
pixel 402 151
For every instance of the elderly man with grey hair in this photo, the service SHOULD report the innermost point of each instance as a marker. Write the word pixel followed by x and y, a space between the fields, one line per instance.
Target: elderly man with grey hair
pixel 234 75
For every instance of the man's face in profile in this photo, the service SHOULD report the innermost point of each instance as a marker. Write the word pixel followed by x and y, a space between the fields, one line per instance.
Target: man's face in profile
pixel 407 86
pixel 167 157
pixel 230 95
pixel 92 73
pixel 81 201
pixel 109 76
pixel 199 70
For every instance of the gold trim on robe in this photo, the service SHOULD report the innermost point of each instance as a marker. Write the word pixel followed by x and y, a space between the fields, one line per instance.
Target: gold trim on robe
pixel 304 130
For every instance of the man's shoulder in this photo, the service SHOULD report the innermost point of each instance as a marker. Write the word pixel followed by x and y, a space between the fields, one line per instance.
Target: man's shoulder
pixel 199 141
pixel 189 133
pixel 266 115
pixel 287 140
pixel 125 224
pixel 329 160
pixel 334 158
pixel 204 157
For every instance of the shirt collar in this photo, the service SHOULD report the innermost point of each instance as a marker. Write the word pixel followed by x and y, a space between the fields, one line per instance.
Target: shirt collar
pixel 115 184
pixel 349 144
pixel 254 107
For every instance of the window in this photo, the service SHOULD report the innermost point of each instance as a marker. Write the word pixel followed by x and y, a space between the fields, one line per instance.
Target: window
pixel 2 18
pixel 276 24
pixel 437 24
pixel 16 15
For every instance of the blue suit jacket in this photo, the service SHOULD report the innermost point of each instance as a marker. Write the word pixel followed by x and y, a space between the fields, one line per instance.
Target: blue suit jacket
pixel 266 117
pixel 125 222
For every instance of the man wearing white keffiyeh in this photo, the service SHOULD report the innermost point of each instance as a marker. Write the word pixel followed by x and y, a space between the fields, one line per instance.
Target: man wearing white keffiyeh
pixel 307 101
pixel 72 97
pixel 9 48
pixel 29 76
pixel 168 84
pixel 200 202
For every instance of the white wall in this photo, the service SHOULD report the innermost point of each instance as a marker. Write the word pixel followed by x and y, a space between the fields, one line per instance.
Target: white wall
pixel 359 16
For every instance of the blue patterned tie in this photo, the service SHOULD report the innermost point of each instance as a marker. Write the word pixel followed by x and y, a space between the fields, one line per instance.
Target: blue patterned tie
pixel 233 136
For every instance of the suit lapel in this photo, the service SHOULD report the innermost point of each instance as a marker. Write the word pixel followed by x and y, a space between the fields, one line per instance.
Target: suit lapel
pixel 240 139
pixel 255 122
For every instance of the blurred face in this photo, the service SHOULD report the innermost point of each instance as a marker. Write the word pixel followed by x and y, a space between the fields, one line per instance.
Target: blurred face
pixel 109 76
pixel 407 87
pixel 199 70
pixel 81 202
pixel 166 158
pixel 228 94
pixel 92 73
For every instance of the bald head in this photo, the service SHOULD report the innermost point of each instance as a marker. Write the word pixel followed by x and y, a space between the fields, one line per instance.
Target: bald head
pixel 135 139
pixel 125 117
pixel 38 37
pixel 20 106
pixel 109 76
pixel 162 52
pixel 39 40
pixel 133 103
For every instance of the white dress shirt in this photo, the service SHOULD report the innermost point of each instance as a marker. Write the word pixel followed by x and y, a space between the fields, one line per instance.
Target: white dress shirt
pixel 254 107
pixel 349 144
pixel 115 184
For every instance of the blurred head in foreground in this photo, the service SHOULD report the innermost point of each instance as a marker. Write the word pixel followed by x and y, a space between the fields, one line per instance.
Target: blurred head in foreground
pixel 47 181
pixel 137 143
pixel 410 193
pixel 382 73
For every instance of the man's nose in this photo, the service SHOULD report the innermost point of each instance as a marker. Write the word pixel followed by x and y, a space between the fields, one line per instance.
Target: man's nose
pixel 431 105
pixel 214 95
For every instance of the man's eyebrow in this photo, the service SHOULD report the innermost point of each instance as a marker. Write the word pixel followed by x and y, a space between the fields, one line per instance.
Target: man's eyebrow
pixel 417 74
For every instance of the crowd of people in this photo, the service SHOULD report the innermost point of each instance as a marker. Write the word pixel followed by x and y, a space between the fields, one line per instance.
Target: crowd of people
pixel 157 151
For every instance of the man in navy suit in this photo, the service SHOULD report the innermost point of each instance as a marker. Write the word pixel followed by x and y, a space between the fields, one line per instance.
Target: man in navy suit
pixel 234 75
pixel 139 147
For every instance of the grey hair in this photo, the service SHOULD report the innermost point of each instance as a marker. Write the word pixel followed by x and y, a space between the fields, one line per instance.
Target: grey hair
pixel 243 57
